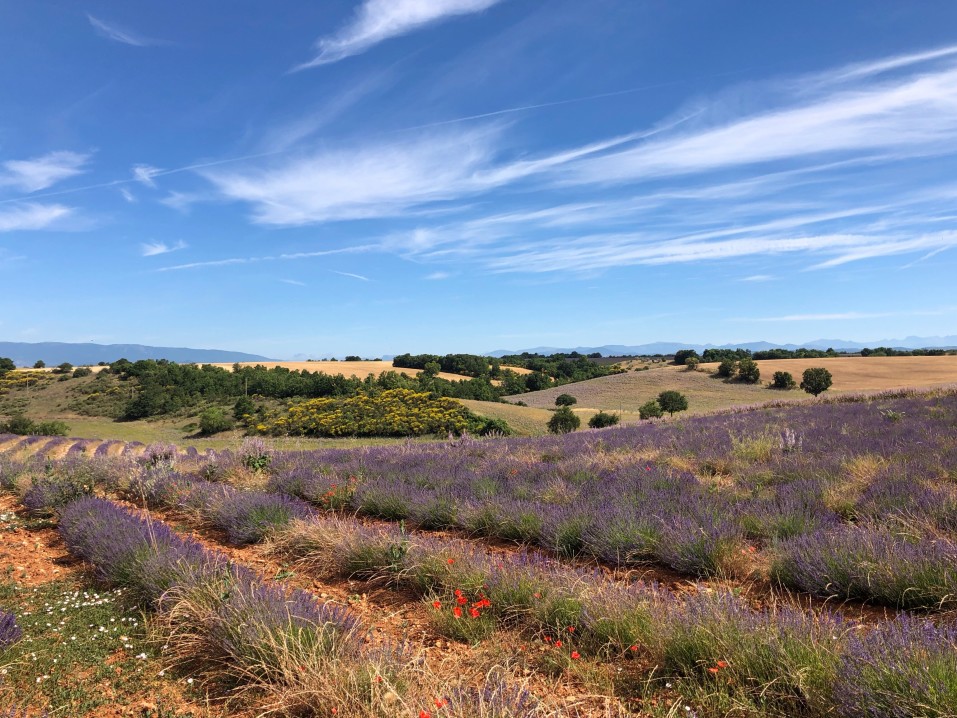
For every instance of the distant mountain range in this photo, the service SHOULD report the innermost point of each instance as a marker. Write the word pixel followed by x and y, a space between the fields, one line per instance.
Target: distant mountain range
pixel 54 353
pixel 949 342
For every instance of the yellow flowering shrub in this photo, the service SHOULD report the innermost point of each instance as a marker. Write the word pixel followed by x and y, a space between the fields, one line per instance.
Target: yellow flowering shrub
pixel 395 412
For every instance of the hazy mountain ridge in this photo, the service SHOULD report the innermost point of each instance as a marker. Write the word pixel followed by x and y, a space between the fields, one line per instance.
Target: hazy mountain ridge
pixel 945 342
pixel 53 353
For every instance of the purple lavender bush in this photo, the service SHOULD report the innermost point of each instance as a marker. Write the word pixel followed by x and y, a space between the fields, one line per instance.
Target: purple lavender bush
pixel 904 668
pixel 249 516
pixel 10 632
pixel 869 563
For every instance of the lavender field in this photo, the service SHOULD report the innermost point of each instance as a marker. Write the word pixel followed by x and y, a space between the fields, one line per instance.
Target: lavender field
pixel 781 561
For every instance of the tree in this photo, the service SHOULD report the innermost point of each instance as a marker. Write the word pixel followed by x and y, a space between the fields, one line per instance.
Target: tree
pixel 40 364
pixel 816 380
pixel 683 355
pixel 727 367
pixel 603 419
pixel 6 365
pixel 431 369
pixel 563 421
pixel 565 400
pixel 650 410
pixel 244 406
pixel 64 368
pixel 748 371
pixel 692 363
pixel 782 380
pixel 672 401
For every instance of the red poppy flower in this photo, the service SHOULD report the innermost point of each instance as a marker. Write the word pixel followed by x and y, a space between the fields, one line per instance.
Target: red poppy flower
pixel 576 655
pixel 457 612
pixel 437 605
pixel 474 612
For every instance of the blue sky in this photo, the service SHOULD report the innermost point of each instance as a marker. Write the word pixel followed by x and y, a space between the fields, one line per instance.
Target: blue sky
pixel 381 176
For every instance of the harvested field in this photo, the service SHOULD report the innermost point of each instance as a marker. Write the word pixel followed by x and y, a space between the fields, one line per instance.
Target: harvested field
pixel 867 373
pixel 626 392
pixel 360 369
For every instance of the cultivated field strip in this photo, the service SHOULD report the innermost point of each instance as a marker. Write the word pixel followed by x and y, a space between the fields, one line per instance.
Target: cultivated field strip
pixel 851 501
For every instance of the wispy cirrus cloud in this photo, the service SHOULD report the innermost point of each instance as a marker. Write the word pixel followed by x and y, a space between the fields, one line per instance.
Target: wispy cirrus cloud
pixel 293 256
pixel 112 31
pixel 379 20
pixel 351 275
pixel 32 216
pixel 144 174
pixel 848 316
pixel 153 249
pixel 41 172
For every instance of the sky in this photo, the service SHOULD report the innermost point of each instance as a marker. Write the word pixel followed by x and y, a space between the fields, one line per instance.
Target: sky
pixel 313 179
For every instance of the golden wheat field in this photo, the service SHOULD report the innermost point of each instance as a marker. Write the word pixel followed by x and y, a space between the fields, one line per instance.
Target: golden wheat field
pixel 867 373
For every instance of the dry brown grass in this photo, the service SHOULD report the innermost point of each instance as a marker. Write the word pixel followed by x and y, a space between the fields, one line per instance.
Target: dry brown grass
pixel 625 393
pixel 867 373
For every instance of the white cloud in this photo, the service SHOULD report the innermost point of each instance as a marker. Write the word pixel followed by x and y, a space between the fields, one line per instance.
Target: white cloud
pixel 30 216
pixel 127 195
pixel 437 276
pixel 350 274
pixel 145 174
pixel 846 316
pixel 42 172
pixel 119 34
pixel 378 20
pixel 374 180
pixel 908 116
pixel 153 249
pixel 293 282
pixel 758 278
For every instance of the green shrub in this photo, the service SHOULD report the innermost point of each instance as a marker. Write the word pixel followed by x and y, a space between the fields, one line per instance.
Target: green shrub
pixel 51 428
pixel 492 427
pixel 565 400
pixel 650 410
pixel 816 380
pixel 563 421
pixel 64 368
pixel 603 419
pixel 81 372
pixel 243 407
pixel 727 368
pixel 213 421
pixel 782 380
pixel 40 364
pixel 683 355
pixel 748 371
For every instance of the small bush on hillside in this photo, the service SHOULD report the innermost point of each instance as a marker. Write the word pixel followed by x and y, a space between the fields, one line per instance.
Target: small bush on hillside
pixel 748 371
pixel 782 380
pixel 213 421
pixel 691 363
pixel 243 407
pixel 563 421
pixel 816 380
pixel 40 364
pixel 683 355
pixel 672 401
pixel 727 368
pixel 64 368
pixel 23 426
pixel 495 427
pixel 81 372
pixel 650 410
pixel 565 400
pixel 603 419
pixel 51 428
